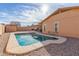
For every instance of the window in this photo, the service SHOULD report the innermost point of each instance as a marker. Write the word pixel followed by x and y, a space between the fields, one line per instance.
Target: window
pixel 56 27
pixel 44 27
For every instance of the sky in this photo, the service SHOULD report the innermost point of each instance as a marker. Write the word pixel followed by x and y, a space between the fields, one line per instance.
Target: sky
pixel 28 13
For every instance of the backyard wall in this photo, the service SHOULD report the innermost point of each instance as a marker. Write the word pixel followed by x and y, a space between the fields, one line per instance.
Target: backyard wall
pixel 14 28
pixel 10 28
pixel 68 23
pixel 2 29
pixel 23 29
pixel 27 28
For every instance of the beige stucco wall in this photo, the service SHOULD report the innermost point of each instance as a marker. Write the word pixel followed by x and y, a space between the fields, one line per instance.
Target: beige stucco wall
pixel 28 28
pixel 2 29
pixel 68 23
pixel 10 28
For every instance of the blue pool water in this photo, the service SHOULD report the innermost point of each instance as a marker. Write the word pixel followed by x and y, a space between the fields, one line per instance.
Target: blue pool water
pixel 28 39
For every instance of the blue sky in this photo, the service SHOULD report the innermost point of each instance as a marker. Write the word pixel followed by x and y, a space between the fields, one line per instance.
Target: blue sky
pixel 28 13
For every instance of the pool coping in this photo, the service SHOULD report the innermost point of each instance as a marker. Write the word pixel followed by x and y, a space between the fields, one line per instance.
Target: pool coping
pixel 14 48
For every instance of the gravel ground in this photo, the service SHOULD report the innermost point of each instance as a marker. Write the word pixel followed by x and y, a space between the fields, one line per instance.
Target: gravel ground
pixel 68 48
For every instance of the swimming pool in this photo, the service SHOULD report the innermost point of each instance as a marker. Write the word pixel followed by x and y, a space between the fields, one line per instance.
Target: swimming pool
pixel 25 39
pixel 25 42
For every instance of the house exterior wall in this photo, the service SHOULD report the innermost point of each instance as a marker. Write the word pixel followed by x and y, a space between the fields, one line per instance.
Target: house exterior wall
pixel 68 23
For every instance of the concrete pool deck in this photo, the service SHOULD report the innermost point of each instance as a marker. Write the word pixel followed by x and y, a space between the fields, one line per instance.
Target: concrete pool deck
pixel 69 48
pixel 14 48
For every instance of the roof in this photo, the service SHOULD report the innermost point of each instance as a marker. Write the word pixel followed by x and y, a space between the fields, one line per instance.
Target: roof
pixel 60 10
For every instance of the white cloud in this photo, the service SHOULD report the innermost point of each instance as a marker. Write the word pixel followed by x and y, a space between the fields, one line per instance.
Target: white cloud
pixel 32 15
pixel 26 14
pixel 3 14
pixel 29 20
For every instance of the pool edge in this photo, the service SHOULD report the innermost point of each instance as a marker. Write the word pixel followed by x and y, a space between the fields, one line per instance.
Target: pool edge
pixel 19 53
